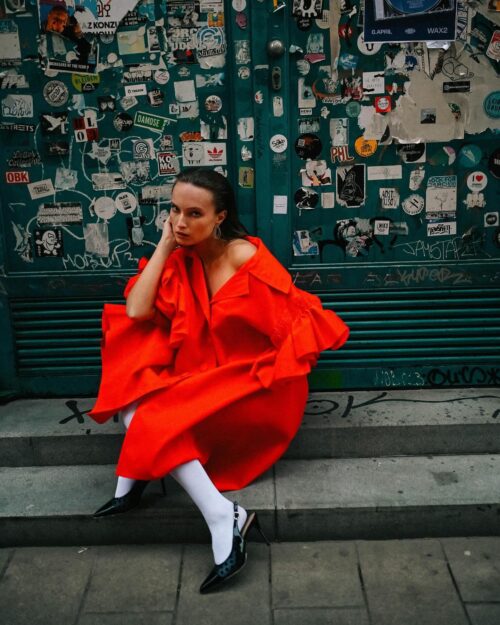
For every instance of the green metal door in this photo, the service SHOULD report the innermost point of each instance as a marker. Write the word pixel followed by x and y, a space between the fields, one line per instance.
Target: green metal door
pixel 391 219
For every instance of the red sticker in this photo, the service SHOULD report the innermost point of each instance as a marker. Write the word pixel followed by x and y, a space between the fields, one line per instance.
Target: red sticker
pixel 17 177
pixel 383 104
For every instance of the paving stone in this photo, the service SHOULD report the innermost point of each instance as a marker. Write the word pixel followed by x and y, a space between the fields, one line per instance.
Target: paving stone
pixel 321 616
pixel 475 564
pixel 125 618
pixel 141 577
pixel 484 614
pixel 315 574
pixel 44 586
pixel 409 582
pixel 4 558
pixel 243 600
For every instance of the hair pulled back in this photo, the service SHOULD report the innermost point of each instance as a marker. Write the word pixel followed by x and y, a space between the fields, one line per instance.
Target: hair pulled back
pixel 223 197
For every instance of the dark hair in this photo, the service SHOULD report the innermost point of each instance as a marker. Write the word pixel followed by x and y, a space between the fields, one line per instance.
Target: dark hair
pixel 223 195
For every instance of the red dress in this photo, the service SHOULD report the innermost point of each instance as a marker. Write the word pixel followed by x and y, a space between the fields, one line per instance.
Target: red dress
pixel 223 380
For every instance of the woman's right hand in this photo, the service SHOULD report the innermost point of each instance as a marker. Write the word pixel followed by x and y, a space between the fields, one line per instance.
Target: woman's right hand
pixel 168 236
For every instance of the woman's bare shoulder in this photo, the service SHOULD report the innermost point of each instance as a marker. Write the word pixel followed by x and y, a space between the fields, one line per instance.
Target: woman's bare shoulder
pixel 239 251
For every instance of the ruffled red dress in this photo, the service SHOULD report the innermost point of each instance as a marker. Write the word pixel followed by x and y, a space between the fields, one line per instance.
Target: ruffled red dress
pixel 222 380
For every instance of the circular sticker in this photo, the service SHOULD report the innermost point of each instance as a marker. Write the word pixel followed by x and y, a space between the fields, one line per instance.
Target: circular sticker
pixel 324 20
pixel 278 143
pixel 494 163
pixel 126 202
pixel 56 93
pixel 443 156
pixel 239 5
pixel 367 48
pixel 107 37
pixel 303 67
pixel 112 57
pixel 490 219
pixel 123 122
pixel 213 104
pixel 365 147
pixel 491 105
pixel 308 146
pixel 352 109
pixel 477 181
pixel 161 76
pixel 383 104
pixel 244 72
pixel 470 156
pixel 413 205
pixel 241 20
pixel 105 207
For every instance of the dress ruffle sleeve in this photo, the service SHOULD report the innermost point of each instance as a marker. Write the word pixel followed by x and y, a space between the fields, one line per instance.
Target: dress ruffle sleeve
pixel 137 356
pixel 300 330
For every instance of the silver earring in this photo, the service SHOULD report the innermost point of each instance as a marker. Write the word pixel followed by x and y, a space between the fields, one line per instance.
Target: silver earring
pixel 217 233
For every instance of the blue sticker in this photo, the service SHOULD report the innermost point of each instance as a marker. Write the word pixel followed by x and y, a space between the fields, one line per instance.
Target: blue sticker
pixel 492 105
pixel 470 156
pixel 348 61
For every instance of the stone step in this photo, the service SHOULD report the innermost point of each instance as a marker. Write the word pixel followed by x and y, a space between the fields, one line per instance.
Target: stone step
pixel 343 424
pixel 393 497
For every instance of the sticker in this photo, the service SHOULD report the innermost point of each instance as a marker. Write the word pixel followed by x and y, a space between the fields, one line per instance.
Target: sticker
pixel 303 67
pixel 444 155
pixel 307 8
pixel 411 152
pixel 328 200
pixel 303 244
pixel 244 72
pixel 340 154
pixel 353 109
pixel 135 172
pixel 383 104
pixel 316 173
pixel 104 207
pixel 459 86
pixel 441 194
pixel 416 178
pixel 60 213
pixel 16 105
pixel 385 172
pixel 56 93
pixel 85 82
pixel 246 177
pixel 381 227
pixel 161 76
pixel 491 220
pixel 351 185
pixel 494 163
pixel 242 53
pixel 96 239
pixel 475 200
pixel 213 104
pixel 135 90
pixel 469 156
pixel 477 181
pixel 304 23
pixel 278 143
pixel 166 142
pixel 310 125
pixel 369 49
pixel 66 178
pixel 150 121
pixel 239 5
pixel 128 102
pixel 246 154
pixel 241 21
pixel 354 236
pixel 414 204
pixel 48 243
pixel 280 204
pixel 308 146
pixel 215 153
pixel 156 97
pixel 365 147
pixel 348 61
pixel 57 148
pixel 339 131
pixel 491 105
pixel 428 116
pixel 42 188
pixel 306 98
pixel 85 127
pixel 442 228
pixel 278 109
pixel 106 103
pixel 389 198
pixel 107 181
pixel 185 90
pixel 24 158
pixel 126 202
pixel 373 82
pixel 245 128
pixel 17 177
pixel 143 149
pixel 168 164
pixel 305 199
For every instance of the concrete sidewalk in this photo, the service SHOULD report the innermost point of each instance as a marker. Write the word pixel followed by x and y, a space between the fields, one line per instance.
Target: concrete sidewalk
pixel 448 581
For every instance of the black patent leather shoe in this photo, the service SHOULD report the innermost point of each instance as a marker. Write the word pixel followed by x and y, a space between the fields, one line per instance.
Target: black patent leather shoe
pixel 130 500
pixel 238 556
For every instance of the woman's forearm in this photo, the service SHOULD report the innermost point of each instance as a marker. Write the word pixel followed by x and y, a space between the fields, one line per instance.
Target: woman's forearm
pixel 140 300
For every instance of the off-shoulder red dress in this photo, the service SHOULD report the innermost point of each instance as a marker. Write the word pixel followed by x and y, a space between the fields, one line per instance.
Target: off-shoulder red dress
pixel 222 380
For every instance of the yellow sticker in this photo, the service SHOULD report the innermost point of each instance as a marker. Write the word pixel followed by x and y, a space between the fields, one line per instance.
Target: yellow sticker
pixel 85 82
pixel 365 147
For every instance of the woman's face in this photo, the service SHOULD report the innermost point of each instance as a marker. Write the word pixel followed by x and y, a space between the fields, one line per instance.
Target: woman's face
pixel 193 215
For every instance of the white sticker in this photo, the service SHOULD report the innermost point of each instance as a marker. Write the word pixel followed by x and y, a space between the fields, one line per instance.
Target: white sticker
pixel 416 178
pixel 477 181
pixel 373 82
pixel 389 198
pixel 18 106
pixel 278 143
pixel 239 5
pixel 280 204
pixel 104 207
pixel 367 48
pixel 385 172
pixel 441 194
pixel 126 202
pixel 414 204
pixel 214 153
pixel 42 188
pixel 185 91
pixel 278 106
pixel 442 228
pixel 328 200
pixel 135 90
pixel 381 227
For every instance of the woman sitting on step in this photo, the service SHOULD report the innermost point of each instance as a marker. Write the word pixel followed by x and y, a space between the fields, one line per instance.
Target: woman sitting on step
pixel 208 363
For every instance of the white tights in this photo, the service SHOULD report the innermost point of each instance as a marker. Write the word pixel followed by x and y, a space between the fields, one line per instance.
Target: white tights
pixel 216 509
